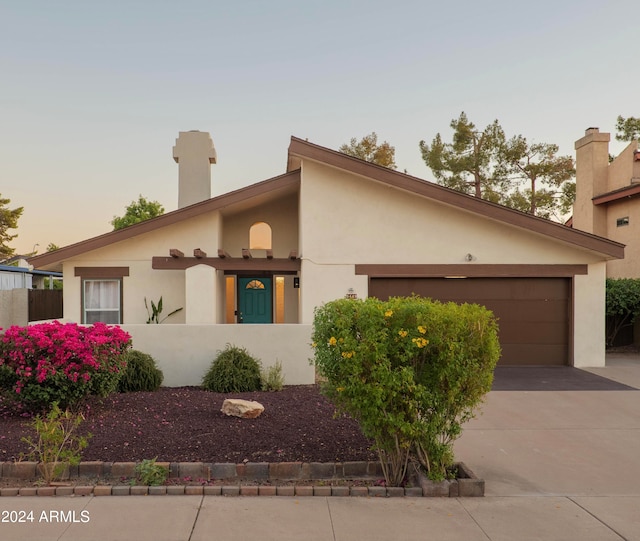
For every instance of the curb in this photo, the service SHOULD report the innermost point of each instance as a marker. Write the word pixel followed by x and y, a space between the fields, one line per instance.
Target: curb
pixel 300 479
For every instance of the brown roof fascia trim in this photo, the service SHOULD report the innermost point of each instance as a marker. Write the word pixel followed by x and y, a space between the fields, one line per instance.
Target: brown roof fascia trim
pixel 101 272
pixel 470 270
pixel 454 198
pixel 271 265
pixel 215 203
pixel 627 191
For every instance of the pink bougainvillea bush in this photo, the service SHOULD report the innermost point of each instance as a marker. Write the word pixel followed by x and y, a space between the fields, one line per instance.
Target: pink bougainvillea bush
pixel 63 363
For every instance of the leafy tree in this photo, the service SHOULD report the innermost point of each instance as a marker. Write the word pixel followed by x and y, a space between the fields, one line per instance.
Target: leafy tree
pixel 55 284
pixel 8 220
pixel 51 247
pixel 539 178
pixel 469 163
pixel 529 178
pixel 628 129
pixel 137 211
pixel 368 149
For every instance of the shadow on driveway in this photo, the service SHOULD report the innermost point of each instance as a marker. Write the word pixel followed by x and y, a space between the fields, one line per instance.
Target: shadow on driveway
pixel 552 378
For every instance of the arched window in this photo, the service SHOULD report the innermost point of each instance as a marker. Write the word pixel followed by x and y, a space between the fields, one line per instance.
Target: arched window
pixel 260 236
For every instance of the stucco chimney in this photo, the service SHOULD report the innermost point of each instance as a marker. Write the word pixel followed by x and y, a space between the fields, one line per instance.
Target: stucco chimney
pixel 194 153
pixel 592 162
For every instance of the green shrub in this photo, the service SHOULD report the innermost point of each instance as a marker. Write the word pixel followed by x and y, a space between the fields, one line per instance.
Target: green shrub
pixel 622 305
pixel 8 378
pixel 409 370
pixel 272 378
pixel 148 473
pixel 234 370
pixel 57 445
pixel 141 373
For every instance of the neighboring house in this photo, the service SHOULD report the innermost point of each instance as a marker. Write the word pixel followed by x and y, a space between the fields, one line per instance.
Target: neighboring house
pixel 22 275
pixel 15 277
pixel 608 198
pixel 331 226
pixel 18 303
pixel 608 204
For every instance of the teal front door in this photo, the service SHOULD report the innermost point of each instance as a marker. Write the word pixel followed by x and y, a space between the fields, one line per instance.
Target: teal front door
pixel 254 300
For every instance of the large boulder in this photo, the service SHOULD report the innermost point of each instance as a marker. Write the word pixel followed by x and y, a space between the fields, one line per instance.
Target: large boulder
pixel 245 409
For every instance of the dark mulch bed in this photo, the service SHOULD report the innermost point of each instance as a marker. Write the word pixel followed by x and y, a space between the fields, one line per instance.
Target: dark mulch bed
pixel 185 424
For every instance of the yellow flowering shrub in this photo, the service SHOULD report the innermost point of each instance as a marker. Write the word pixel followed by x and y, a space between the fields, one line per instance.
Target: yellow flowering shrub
pixel 411 371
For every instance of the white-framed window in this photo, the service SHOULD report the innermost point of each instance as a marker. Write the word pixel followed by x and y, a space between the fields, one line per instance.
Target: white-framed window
pixel 102 301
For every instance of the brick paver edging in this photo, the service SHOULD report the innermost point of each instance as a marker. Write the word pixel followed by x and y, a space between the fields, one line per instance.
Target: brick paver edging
pixel 273 479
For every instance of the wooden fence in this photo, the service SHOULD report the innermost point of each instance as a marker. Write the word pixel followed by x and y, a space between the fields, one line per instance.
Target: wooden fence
pixel 45 304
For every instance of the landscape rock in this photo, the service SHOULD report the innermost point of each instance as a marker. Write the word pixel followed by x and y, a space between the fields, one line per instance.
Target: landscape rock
pixel 245 409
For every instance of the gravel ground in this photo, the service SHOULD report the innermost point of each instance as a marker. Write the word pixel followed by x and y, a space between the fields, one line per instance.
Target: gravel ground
pixel 185 424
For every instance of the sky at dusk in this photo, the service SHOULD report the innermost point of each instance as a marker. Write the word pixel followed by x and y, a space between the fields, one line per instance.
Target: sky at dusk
pixel 93 94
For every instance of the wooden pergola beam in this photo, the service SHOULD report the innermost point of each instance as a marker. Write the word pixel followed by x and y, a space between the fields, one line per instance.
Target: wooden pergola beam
pixel 275 265
pixel 222 254
pixel 246 253
pixel 198 253
pixel 174 252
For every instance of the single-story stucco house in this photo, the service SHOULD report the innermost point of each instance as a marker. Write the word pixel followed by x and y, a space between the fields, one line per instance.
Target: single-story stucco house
pixel 249 267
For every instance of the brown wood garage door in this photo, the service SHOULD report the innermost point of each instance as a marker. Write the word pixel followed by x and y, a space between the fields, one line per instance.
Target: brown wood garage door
pixel 533 313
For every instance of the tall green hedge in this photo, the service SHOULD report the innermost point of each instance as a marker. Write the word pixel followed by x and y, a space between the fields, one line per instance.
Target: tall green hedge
pixel 622 305
pixel 410 370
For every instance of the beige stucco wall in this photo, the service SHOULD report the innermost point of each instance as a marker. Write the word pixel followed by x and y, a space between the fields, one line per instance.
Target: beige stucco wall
pixel 185 352
pixel 140 284
pixel 621 171
pixel 623 168
pixel 200 283
pixel 592 162
pixel 346 219
pixel 629 235
pixel 589 321
pixel 281 215
pixel 14 307
pixel 136 253
pixel 325 282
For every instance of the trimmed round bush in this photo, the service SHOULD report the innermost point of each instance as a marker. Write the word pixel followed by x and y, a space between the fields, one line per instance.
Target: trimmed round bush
pixel 234 370
pixel 141 373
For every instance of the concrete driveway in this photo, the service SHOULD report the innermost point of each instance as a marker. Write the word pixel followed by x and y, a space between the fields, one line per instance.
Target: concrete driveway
pixel 548 441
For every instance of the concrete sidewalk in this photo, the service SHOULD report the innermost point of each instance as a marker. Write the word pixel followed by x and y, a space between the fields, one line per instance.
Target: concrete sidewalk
pixel 558 465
